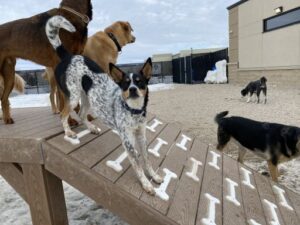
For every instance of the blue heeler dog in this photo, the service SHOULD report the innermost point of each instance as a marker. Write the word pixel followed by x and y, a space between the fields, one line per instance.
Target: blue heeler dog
pixel 119 102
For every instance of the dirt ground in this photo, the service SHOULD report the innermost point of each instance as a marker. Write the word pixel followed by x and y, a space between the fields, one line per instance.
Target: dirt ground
pixel 193 107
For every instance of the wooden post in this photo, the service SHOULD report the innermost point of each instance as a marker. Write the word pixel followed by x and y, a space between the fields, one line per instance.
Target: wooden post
pixel 45 196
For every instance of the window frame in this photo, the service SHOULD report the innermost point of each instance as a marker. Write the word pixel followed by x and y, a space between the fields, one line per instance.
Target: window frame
pixel 278 15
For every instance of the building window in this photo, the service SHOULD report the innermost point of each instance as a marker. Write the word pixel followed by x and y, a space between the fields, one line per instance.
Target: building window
pixel 285 19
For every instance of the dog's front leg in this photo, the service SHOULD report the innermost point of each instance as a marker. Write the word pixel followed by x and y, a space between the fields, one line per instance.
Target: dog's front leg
pixel 142 144
pixel 136 165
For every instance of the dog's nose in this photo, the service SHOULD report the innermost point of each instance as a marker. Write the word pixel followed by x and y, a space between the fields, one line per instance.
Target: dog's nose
pixel 132 90
pixel 133 39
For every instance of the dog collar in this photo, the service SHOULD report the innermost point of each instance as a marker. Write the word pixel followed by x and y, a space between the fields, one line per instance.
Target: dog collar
pixel 134 111
pixel 114 39
pixel 84 18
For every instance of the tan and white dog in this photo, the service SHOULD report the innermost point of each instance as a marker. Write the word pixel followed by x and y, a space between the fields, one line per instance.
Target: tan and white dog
pixel 103 48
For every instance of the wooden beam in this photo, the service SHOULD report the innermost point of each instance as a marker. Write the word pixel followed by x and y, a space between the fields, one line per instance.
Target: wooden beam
pixel 45 196
pixel 14 177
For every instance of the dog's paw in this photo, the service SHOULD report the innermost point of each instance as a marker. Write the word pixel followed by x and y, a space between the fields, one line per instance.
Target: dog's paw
pixel 157 179
pixel 148 187
pixel 94 129
pixel 8 121
pixel 71 134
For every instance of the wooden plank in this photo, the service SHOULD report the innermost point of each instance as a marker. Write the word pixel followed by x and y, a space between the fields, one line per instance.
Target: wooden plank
pixel 20 129
pixel 267 199
pixel 183 209
pixel 295 201
pixel 285 206
pixel 45 196
pixel 210 205
pixel 101 190
pixel 251 199
pixel 174 162
pixel 111 174
pixel 21 150
pixel 14 177
pixel 66 147
pixel 233 209
pixel 129 182
pixel 93 152
pixel 47 124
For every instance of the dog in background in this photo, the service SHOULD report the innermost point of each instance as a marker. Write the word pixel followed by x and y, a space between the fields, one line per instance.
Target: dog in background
pixel 19 84
pixel 274 142
pixel 256 87
pixel 120 103
pixel 103 48
pixel 26 39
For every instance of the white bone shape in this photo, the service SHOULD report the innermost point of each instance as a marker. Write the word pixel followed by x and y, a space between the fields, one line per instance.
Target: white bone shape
pixel 116 165
pixel 247 181
pixel 253 222
pixel 273 214
pixel 155 151
pixel 161 191
pixel 214 162
pixel 232 194
pixel 193 173
pixel 282 200
pixel 76 141
pixel 211 217
pixel 183 142
pixel 155 124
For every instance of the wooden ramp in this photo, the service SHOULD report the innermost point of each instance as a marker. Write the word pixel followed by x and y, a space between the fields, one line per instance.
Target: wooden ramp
pixel 201 186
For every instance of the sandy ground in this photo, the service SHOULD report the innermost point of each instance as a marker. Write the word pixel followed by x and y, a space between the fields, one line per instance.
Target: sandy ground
pixel 193 107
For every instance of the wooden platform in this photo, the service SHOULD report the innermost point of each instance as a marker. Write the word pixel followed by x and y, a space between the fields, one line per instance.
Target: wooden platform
pixel 202 186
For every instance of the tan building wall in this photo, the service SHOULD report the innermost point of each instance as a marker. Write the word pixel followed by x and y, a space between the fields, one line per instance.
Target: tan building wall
pixel 253 51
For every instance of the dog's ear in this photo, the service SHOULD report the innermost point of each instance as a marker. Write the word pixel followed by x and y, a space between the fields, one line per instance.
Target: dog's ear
pixel 116 73
pixel 146 71
pixel 129 25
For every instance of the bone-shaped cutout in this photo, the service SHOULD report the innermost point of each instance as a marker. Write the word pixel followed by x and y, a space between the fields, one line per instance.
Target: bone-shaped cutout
pixel 116 165
pixel 282 200
pixel 76 141
pixel 155 124
pixel 247 181
pixel 155 151
pixel 183 142
pixel 232 194
pixel 273 214
pixel 211 217
pixel 253 222
pixel 161 191
pixel 214 162
pixel 193 173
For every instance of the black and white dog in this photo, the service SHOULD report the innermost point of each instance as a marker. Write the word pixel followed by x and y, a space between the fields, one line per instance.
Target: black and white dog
pixel 256 87
pixel 120 103
pixel 274 142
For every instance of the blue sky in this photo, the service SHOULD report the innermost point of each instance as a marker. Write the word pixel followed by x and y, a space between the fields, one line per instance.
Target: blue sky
pixel 161 26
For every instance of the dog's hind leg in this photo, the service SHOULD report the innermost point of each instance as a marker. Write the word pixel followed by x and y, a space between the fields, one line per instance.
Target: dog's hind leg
pixel 8 72
pixel 1 85
pixel 273 170
pixel 142 144
pixel 241 154
pixel 223 139
pixel 83 113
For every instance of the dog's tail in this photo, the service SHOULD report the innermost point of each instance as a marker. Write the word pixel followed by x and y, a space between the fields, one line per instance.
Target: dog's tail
pixel 52 31
pixel 19 83
pixel 220 116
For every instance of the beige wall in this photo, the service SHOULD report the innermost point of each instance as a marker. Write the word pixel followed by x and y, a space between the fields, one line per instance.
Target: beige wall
pixel 278 49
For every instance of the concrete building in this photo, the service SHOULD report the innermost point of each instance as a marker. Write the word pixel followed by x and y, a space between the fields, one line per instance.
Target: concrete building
pixel 264 39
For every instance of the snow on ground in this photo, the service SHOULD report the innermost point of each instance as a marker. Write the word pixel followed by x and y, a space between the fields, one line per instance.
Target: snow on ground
pixel 42 100
pixel 81 209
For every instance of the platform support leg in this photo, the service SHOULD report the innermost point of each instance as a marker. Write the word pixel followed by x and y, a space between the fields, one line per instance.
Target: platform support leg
pixel 45 196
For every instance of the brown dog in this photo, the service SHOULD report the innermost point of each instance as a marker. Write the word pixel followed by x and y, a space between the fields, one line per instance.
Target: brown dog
pixel 26 39
pixel 19 84
pixel 103 48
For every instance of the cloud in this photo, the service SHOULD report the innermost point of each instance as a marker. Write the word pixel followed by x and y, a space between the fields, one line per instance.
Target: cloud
pixel 159 25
